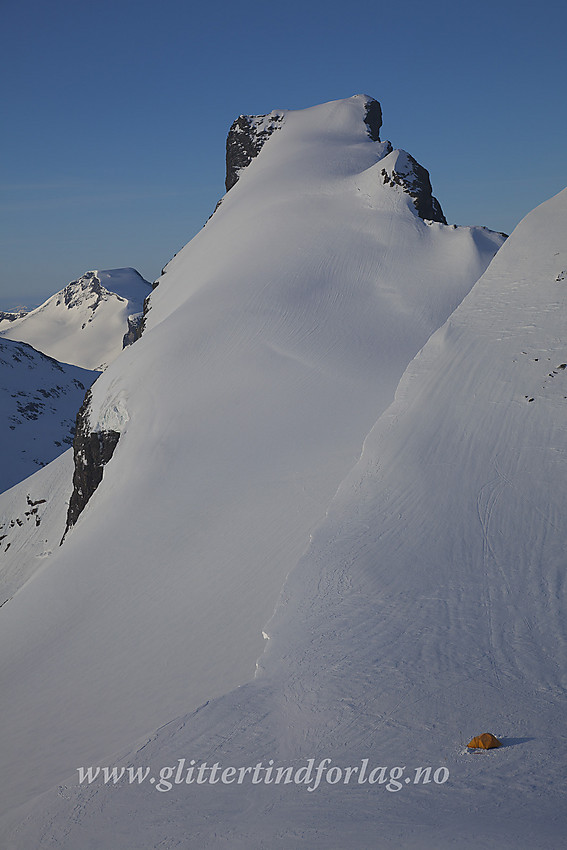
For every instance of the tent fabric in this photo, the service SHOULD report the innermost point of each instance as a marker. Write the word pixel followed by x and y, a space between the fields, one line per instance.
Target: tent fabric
pixel 486 741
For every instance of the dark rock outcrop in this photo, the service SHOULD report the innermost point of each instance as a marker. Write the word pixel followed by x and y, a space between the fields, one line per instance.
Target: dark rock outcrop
pixel 245 140
pixel 413 179
pixel 11 317
pixel 135 328
pixel 88 285
pixel 147 308
pixel 373 119
pixel 91 452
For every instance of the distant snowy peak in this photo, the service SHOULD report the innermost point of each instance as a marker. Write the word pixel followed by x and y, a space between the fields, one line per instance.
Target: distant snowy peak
pixel 97 286
pixel 89 321
pixel 245 140
pixel 85 290
pixel 11 316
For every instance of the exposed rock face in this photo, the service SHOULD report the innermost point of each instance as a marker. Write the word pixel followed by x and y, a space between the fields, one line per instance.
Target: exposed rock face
pixel 86 287
pixel 147 307
pixel 402 170
pixel 11 317
pixel 245 140
pixel 91 451
pixel 135 329
pixel 373 119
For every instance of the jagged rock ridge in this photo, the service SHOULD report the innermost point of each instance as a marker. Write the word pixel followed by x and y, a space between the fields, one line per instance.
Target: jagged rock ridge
pixel 86 288
pixel 245 140
pixel 404 171
pixel 373 119
pixel 12 316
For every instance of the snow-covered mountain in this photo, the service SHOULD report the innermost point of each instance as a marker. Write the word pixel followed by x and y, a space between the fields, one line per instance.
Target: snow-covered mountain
pixel 88 322
pixel 272 344
pixel 11 316
pixel 429 606
pixel 39 400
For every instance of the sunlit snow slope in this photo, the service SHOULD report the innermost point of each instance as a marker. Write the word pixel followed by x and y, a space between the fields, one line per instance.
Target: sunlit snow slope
pixel 85 323
pixel 430 607
pixel 274 341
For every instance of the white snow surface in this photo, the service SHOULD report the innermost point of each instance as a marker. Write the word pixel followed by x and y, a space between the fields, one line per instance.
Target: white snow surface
pixel 274 342
pixel 39 400
pixel 84 324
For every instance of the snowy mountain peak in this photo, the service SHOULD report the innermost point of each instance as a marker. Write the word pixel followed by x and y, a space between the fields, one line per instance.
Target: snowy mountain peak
pixel 249 133
pixel 401 171
pixel 207 454
pixel 11 316
pixel 86 290
pixel 89 321
pixel 95 286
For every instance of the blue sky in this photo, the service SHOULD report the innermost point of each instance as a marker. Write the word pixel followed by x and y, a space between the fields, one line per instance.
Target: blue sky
pixel 117 113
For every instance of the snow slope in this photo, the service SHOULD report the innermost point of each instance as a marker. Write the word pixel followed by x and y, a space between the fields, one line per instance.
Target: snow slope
pixel 85 323
pixel 273 342
pixel 32 522
pixel 429 607
pixel 39 400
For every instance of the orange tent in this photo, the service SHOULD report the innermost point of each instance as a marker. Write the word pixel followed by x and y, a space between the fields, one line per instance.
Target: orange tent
pixel 486 741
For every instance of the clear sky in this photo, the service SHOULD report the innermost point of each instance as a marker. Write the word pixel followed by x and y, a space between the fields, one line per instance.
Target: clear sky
pixel 116 113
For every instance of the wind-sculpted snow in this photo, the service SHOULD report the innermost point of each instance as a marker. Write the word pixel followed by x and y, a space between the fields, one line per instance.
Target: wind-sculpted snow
pixel 429 607
pixel 274 341
pixel 88 322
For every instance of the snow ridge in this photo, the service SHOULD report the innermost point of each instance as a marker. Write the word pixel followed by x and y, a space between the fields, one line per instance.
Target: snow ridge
pixel 429 606
pixel 275 341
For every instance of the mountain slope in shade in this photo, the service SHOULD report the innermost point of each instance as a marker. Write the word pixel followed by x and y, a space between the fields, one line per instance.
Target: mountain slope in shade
pixel 32 522
pixel 39 400
pixel 86 322
pixel 272 344
pixel 429 607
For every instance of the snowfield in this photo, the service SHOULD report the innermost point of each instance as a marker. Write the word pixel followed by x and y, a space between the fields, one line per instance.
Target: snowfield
pixel 402 549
